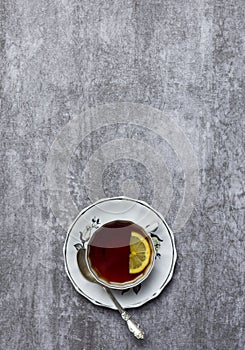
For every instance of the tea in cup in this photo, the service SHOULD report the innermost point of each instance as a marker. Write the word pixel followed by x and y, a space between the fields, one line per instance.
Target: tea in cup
pixel 120 254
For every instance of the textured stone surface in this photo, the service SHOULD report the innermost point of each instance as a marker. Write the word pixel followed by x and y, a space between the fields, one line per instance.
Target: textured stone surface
pixel 185 59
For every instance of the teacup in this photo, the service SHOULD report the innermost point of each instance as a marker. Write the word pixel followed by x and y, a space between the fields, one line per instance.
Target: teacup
pixel 120 254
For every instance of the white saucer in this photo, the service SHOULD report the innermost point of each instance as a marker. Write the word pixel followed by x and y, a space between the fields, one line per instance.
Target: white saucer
pixel 121 208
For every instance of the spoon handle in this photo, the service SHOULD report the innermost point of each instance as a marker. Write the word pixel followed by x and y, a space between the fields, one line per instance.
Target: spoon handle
pixel 133 326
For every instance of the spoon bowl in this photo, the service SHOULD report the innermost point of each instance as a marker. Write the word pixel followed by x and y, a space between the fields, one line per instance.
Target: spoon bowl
pixel 83 267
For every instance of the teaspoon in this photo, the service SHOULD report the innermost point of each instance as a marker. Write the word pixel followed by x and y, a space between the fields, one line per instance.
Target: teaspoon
pixel 133 326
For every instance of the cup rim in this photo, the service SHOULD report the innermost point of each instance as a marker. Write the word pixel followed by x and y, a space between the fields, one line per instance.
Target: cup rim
pixel 129 284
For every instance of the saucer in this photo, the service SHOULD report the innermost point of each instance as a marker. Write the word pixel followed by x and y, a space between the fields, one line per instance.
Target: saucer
pixel 121 208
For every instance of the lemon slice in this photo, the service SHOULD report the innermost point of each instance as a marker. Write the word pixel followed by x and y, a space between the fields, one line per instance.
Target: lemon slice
pixel 140 253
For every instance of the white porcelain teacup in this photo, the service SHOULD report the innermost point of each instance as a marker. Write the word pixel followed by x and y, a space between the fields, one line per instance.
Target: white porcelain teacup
pixel 120 254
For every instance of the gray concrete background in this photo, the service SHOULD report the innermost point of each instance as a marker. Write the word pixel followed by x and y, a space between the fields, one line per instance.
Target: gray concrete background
pixel 182 57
